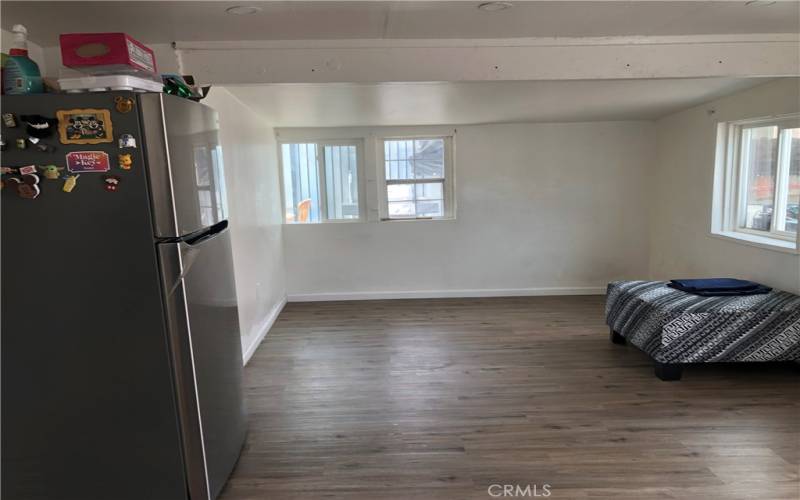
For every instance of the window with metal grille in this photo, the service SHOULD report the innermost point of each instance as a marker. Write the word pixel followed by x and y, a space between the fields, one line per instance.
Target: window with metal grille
pixel 417 178
pixel 321 181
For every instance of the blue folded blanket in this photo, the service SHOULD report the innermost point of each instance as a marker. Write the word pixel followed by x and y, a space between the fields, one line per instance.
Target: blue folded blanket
pixel 719 287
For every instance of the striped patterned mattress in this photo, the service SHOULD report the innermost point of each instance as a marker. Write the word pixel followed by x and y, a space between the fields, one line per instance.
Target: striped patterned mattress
pixel 677 327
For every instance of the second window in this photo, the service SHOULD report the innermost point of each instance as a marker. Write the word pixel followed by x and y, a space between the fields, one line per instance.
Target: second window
pixel 417 178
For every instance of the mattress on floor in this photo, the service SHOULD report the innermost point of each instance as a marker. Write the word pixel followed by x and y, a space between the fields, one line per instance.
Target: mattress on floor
pixel 673 326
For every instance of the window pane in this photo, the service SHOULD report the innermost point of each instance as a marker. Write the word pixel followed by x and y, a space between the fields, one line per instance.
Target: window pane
pixel 430 208
pixel 399 159
pixel 416 200
pixel 429 158
pixel 414 159
pixel 400 209
pixel 759 158
pixel 301 182
pixel 429 191
pixel 400 192
pixel 793 200
pixel 341 179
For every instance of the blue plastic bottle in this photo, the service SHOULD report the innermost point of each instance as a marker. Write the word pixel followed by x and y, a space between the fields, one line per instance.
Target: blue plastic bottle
pixel 20 74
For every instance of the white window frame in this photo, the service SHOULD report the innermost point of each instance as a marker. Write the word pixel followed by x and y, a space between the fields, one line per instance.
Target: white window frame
pixel 448 182
pixel 323 192
pixel 730 191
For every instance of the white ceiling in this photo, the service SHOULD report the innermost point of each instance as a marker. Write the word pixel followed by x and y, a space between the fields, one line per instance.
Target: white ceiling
pixel 161 22
pixel 339 105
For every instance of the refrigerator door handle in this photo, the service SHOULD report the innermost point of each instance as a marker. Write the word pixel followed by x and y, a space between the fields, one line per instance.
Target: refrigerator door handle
pixel 197 237
pixel 188 258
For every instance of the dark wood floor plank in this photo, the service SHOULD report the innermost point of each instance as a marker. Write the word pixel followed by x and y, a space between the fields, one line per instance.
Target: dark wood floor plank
pixel 438 399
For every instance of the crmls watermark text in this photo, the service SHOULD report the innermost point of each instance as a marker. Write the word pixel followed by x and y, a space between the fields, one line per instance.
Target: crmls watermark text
pixel 518 490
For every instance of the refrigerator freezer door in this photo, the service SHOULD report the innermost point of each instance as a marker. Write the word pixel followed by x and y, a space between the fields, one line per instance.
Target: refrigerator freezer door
pixel 184 158
pixel 88 405
pixel 203 332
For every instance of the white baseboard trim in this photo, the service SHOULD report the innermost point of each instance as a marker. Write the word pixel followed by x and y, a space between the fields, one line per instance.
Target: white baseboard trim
pixel 441 294
pixel 262 330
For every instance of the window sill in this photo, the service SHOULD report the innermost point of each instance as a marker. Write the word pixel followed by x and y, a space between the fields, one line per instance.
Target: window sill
pixel 764 242
pixel 417 219
pixel 325 222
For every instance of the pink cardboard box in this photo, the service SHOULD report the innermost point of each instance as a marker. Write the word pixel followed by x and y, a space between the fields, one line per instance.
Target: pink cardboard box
pixel 106 53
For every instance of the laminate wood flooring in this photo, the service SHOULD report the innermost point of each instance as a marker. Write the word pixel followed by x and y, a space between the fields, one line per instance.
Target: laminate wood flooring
pixel 440 399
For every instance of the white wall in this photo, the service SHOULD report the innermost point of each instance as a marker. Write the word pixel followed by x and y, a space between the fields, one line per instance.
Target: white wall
pixel 251 175
pixel 681 243
pixel 541 208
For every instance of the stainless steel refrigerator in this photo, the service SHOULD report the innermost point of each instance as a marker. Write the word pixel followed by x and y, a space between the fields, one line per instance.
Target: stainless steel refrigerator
pixel 121 354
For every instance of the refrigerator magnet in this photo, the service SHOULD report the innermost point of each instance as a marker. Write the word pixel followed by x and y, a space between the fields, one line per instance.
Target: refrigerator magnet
pixel 125 161
pixel 3 145
pixel 8 120
pixel 5 171
pixel 27 186
pixel 21 144
pixel 51 172
pixel 123 104
pixel 79 162
pixel 69 182
pixel 39 126
pixel 127 141
pixel 84 126
pixel 111 182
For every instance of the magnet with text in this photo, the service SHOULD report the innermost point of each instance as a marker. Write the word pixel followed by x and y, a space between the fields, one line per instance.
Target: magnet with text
pixel 111 182
pixel 123 104
pixel 27 186
pixel 69 182
pixel 125 161
pixel 9 121
pixel 127 141
pixel 39 126
pixel 79 162
pixel 51 172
